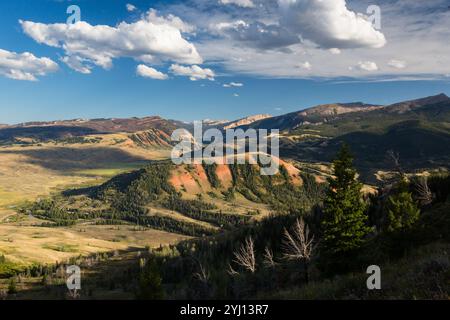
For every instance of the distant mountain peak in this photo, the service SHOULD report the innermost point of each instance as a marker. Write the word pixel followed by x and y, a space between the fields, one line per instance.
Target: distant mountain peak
pixel 406 106
pixel 442 97
pixel 247 120
pixel 338 108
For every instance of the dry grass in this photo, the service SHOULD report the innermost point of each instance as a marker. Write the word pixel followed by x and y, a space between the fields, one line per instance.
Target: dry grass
pixel 162 212
pixel 25 245
pixel 28 173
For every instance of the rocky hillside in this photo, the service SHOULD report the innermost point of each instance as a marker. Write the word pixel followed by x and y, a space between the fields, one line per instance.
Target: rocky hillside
pixel 315 115
pixel 246 121
pixel 153 131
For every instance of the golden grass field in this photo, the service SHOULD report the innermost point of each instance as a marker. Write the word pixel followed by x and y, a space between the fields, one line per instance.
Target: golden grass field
pixel 27 244
pixel 28 173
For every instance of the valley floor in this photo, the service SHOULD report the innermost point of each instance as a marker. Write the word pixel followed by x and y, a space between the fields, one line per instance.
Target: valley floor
pixel 31 172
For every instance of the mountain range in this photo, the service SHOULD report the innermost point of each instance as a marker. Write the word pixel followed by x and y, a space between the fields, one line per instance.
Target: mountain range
pixel 418 130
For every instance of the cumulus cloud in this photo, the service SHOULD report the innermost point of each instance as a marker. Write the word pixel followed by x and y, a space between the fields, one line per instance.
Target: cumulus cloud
pixel 151 39
pixel 257 34
pixel 233 84
pixel 171 20
pixel 239 3
pixel 25 66
pixel 78 64
pixel 367 66
pixel 149 72
pixel 330 24
pixel 130 7
pixel 272 38
pixel 193 72
pixel 397 64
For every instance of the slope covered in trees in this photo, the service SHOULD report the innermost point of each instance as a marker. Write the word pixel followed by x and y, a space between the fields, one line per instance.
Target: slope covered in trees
pixel 147 197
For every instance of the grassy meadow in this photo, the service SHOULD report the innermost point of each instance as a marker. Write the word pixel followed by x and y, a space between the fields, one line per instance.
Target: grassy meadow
pixel 36 171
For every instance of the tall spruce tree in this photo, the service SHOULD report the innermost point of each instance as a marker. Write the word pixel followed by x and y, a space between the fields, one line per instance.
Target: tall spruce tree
pixel 344 223
pixel 402 210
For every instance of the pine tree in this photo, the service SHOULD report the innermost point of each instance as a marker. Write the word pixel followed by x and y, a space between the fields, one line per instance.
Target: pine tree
pixel 150 283
pixel 402 210
pixel 12 288
pixel 344 221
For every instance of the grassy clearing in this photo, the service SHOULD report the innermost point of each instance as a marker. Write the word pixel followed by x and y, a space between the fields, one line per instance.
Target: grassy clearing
pixel 26 245
pixel 61 247
pixel 36 171
pixel 110 169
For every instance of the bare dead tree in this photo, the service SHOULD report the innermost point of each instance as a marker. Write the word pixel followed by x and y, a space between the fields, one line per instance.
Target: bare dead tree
pixel 394 157
pixel 425 196
pixel 299 244
pixel 268 258
pixel 203 275
pixel 231 271
pixel 245 256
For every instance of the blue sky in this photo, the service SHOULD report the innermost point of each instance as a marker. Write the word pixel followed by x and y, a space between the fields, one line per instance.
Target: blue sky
pixel 276 72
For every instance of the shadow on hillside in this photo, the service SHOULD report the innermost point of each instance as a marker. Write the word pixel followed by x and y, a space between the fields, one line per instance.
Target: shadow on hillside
pixel 65 159
pixel 418 148
pixel 114 276
pixel 45 132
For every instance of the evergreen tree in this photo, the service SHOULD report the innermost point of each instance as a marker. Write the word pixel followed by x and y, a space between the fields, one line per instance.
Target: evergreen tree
pixel 402 211
pixel 150 283
pixel 12 288
pixel 344 222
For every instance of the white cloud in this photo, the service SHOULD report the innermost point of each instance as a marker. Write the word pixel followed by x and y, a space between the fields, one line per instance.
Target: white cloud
pixel 78 64
pixel 367 66
pixel 236 95
pixel 149 72
pixel 225 37
pixel 305 65
pixel 150 39
pixel 334 51
pixel 193 72
pixel 229 25
pixel 239 3
pixel 130 7
pixel 25 66
pixel 269 41
pixel 171 20
pixel 330 24
pixel 233 84
pixel 397 64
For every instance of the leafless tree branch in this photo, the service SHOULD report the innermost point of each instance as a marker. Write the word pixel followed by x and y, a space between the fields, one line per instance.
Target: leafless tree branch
pixel 231 271
pixel 425 195
pixel 394 157
pixel 202 275
pixel 298 245
pixel 245 256
pixel 268 258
